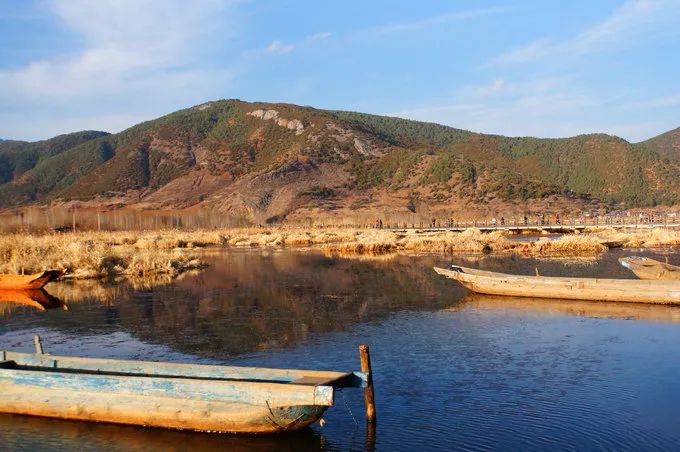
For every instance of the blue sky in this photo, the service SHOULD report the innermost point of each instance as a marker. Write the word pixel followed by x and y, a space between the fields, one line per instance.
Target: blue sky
pixel 532 67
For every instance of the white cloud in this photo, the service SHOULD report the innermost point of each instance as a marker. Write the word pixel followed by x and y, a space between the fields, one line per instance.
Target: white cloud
pixel 540 107
pixel 497 85
pixel 318 36
pixel 139 52
pixel 626 24
pixel 280 48
pixel 547 107
pixel 669 101
pixel 440 19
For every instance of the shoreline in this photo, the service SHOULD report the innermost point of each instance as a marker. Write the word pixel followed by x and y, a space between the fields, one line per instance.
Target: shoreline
pixel 85 255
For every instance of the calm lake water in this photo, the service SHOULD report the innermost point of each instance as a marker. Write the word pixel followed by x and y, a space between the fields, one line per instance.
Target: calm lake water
pixel 452 370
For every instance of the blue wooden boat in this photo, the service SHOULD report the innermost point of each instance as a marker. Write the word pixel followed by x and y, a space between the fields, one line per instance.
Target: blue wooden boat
pixel 168 395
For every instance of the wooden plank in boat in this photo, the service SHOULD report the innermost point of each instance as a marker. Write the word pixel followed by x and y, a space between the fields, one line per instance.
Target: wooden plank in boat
pixel 162 369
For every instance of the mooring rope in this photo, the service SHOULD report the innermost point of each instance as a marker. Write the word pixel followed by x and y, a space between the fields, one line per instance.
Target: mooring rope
pixel 342 393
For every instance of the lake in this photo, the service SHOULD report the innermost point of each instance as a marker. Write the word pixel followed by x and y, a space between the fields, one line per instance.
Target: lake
pixel 452 370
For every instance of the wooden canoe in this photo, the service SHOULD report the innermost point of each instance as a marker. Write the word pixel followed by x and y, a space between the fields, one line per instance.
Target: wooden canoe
pixel 646 268
pixel 28 282
pixel 589 289
pixel 168 395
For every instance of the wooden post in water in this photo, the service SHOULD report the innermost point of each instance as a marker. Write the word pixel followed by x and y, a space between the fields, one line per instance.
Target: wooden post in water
pixel 369 395
pixel 38 344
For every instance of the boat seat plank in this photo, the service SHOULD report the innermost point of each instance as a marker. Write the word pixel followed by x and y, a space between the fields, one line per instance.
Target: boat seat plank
pixel 311 381
pixel 166 369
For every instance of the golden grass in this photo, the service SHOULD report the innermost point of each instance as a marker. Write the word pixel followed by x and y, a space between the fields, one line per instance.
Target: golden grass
pixel 89 255
pixel 567 245
pixel 283 237
pixel 469 241
pixel 646 238
pixel 140 253
pixel 97 254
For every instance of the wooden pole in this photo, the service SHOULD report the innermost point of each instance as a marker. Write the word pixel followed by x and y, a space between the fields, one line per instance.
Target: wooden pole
pixel 38 345
pixel 369 395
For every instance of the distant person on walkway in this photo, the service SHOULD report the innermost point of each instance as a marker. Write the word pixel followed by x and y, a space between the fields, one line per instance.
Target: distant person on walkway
pixel 493 221
pixel 502 221
pixel 380 224
pixel 526 220
pixel 557 219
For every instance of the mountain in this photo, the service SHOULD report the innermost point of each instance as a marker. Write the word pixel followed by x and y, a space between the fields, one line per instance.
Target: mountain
pixel 19 157
pixel 269 162
pixel 667 144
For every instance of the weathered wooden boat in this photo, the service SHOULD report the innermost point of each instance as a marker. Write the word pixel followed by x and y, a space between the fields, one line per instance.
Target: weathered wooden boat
pixel 646 268
pixel 592 289
pixel 28 282
pixel 168 395
pixel 38 299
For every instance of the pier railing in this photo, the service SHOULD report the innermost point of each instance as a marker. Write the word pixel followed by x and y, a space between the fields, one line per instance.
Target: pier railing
pixel 515 224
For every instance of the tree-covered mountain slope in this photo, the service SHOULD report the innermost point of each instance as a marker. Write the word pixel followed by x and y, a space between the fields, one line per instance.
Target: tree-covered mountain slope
pixel 269 162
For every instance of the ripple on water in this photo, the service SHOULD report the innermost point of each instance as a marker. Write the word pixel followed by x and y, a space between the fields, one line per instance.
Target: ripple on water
pixel 450 374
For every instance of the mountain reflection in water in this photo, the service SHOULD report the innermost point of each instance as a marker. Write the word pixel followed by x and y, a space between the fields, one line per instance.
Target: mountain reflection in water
pixel 452 369
pixel 257 300
pixel 249 301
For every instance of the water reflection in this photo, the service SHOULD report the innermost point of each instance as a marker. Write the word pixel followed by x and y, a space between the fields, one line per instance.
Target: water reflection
pixel 38 299
pixel 551 306
pixel 452 370
pixel 34 433
pixel 249 301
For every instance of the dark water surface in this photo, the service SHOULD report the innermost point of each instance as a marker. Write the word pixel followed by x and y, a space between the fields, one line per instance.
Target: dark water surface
pixel 452 370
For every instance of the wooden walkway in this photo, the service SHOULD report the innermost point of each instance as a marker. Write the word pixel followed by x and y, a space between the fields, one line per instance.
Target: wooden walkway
pixel 533 228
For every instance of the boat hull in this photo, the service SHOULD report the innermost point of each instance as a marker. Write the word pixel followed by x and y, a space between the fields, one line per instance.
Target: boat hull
pixel 28 282
pixel 646 268
pixel 588 289
pixel 161 412
pixel 204 398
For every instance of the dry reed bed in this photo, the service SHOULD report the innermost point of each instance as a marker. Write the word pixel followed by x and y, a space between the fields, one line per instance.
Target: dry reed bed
pixel 469 241
pixel 646 238
pixel 97 254
pixel 88 255
pixel 135 253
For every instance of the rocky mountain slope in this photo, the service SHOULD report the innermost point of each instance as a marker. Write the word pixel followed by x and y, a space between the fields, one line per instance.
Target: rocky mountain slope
pixel 271 162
